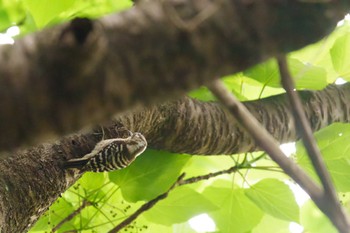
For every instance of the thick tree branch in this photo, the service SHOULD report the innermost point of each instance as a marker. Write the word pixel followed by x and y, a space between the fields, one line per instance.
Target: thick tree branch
pixel 72 75
pixel 195 127
pixel 31 180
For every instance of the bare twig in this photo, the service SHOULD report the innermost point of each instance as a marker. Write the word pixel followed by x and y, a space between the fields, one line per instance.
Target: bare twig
pixel 209 175
pixel 146 206
pixel 219 173
pixel 334 209
pixel 72 215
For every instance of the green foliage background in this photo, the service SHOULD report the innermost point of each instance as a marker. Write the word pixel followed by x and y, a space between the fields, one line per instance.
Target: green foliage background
pixel 257 198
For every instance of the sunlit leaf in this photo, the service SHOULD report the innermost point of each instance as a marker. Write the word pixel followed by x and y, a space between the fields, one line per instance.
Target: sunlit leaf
pixel 314 221
pixel 44 11
pixel 275 198
pixel 333 142
pixel 151 174
pixel 4 19
pixel 97 178
pixel 341 56
pixel 237 213
pixel 271 224
pixel 58 211
pixel 181 204
pixel 305 75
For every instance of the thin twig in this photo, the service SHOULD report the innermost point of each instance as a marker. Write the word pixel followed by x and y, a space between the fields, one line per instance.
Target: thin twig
pixel 244 165
pixel 209 175
pixel 146 206
pixel 334 209
pixel 72 215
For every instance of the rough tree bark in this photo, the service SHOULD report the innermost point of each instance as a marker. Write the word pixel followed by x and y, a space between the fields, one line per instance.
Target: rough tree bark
pixel 200 128
pixel 30 180
pixel 63 78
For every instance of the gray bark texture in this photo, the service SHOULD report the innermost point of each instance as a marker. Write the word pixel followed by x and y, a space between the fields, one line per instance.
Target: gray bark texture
pixel 64 78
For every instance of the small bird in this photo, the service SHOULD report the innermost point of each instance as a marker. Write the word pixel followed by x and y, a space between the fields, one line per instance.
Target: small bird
pixel 110 154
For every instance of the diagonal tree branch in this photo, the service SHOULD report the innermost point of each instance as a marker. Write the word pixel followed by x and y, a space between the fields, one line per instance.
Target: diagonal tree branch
pixel 64 78
pixel 334 210
pixel 269 144
pixel 195 127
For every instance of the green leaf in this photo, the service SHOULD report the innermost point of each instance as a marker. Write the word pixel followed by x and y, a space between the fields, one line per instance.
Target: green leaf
pixel 275 198
pixel 271 224
pixel 182 204
pixel 333 142
pixel 305 75
pixel 44 11
pixel 182 228
pixel 92 180
pixel 11 12
pixel 341 56
pixel 58 211
pixel 237 213
pixel 314 221
pixel 146 226
pixel 202 93
pixel 151 174
pixel 5 21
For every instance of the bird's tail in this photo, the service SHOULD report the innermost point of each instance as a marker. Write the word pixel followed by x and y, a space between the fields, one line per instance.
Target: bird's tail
pixel 75 163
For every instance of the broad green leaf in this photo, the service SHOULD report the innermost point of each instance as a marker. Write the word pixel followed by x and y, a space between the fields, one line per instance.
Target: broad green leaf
pixel 182 228
pixel 87 189
pixel 333 142
pixel 5 21
pixel 92 180
pixel 275 198
pixel 244 88
pixel 199 165
pixel 271 224
pixel 151 174
pixel 319 55
pixel 58 211
pixel 142 225
pixel 314 221
pixel 44 11
pixel 108 208
pixel 305 75
pixel 202 93
pixel 340 54
pixel 11 13
pixel 237 213
pixel 97 8
pixel 182 204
